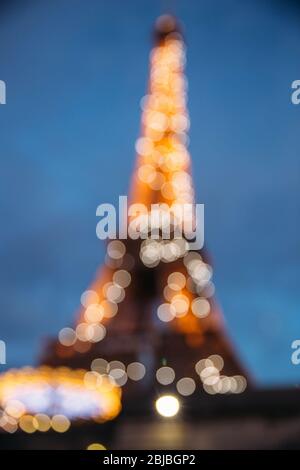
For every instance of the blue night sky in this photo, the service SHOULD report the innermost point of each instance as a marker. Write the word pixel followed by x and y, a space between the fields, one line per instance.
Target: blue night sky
pixel 75 71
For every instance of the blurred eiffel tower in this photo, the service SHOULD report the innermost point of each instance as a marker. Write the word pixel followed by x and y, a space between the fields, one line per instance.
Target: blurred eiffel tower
pixel 151 306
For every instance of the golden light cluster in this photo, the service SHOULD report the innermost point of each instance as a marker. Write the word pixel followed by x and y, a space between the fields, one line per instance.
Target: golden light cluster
pixel 154 251
pixel 166 376
pixel 209 371
pixel 180 300
pixel 117 371
pixel 199 271
pixel 97 309
pixel 46 399
pixel 163 159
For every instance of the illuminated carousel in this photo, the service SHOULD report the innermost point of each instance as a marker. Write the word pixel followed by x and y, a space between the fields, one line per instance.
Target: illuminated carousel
pixel 52 399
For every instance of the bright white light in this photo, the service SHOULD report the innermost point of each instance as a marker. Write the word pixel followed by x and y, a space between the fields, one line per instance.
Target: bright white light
pixel 167 406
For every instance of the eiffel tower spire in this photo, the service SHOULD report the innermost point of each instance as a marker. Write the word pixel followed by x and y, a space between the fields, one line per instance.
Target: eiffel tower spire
pixel 150 319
